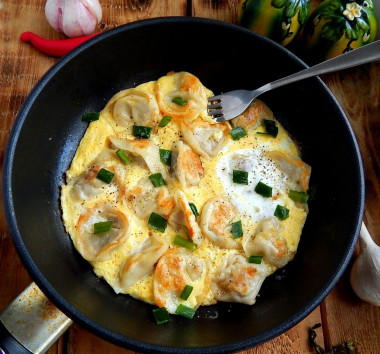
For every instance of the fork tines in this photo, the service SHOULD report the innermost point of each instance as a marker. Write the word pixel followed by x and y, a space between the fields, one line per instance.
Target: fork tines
pixel 214 108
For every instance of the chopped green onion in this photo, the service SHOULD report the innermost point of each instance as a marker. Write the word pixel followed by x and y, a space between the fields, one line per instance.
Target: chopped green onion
pixel 157 222
pixel 123 157
pixel 178 240
pixel 237 133
pixel 255 259
pixel 90 116
pixel 186 292
pixel 185 311
pixel 264 190
pixel 281 212
pixel 166 156
pixel 139 131
pixel 194 209
pixel 105 175
pixel 161 315
pixel 300 197
pixel 237 229
pixel 157 180
pixel 180 101
pixel 271 127
pixel 165 121
pixel 103 226
pixel 240 177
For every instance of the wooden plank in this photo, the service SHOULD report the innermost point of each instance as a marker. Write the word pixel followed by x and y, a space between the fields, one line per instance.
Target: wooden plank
pixel 81 341
pixel 21 66
pixel 348 318
pixel 223 10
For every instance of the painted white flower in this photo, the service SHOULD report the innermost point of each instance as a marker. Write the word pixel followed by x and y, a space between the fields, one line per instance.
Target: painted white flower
pixel 352 10
pixel 366 37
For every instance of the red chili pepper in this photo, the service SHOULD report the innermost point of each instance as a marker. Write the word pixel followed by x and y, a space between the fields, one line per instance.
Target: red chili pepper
pixel 58 48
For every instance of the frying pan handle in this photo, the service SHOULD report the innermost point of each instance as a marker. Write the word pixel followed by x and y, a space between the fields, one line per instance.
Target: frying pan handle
pixel 31 323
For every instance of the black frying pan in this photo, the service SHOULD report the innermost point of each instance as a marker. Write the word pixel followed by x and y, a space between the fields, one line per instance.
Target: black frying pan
pixel 49 127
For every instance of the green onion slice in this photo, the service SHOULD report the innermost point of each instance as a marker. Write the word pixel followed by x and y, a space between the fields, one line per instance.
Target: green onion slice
pixel 164 121
pixel 90 116
pixel 271 127
pixel 264 190
pixel 194 209
pixel 123 157
pixel 157 222
pixel 161 315
pixel 180 101
pixel 139 131
pixel 237 229
pixel 300 197
pixel 103 226
pixel 105 175
pixel 186 292
pixel 185 311
pixel 166 156
pixel 240 177
pixel 255 259
pixel 237 133
pixel 157 180
pixel 281 212
pixel 178 240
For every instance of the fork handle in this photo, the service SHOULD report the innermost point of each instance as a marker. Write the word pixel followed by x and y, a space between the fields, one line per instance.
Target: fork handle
pixel 367 53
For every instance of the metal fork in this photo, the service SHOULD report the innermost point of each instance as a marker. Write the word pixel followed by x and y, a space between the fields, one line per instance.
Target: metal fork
pixel 230 104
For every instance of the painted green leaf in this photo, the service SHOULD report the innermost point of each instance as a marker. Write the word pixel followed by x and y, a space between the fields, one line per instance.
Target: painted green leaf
pixel 332 31
pixel 350 32
pixel 291 9
pixel 279 3
pixel 304 12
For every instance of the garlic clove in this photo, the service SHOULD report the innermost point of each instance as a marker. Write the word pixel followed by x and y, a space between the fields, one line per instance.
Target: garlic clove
pixel 73 17
pixel 365 273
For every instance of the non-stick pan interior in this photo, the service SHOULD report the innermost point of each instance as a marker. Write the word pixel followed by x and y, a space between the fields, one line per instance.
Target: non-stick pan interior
pixel 224 57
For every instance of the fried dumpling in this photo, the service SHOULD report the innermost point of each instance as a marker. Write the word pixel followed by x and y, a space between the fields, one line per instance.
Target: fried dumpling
pixel 87 185
pixel 297 171
pixel 177 268
pixel 253 115
pixel 145 198
pixel 136 107
pixel 183 217
pixel 183 86
pixel 216 218
pixel 141 263
pixel 97 247
pixel 187 165
pixel 205 138
pixel 268 242
pixel 144 148
pixel 238 281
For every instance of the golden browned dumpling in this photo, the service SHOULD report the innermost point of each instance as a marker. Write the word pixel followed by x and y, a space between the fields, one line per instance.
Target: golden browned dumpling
pixel 176 269
pixel 95 246
pixel 216 219
pixel 239 281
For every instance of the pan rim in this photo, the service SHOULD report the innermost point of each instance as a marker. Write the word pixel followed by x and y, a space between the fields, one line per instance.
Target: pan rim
pixel 70 310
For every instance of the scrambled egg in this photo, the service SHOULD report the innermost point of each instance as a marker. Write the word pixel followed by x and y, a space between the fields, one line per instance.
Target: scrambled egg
pixel 126 227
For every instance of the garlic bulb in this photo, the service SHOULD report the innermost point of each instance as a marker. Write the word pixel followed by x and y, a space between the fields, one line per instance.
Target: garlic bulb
pixel 365 273
pixel 73 17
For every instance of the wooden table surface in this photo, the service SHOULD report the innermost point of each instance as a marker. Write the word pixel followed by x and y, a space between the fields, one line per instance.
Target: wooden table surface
pixel 343 316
